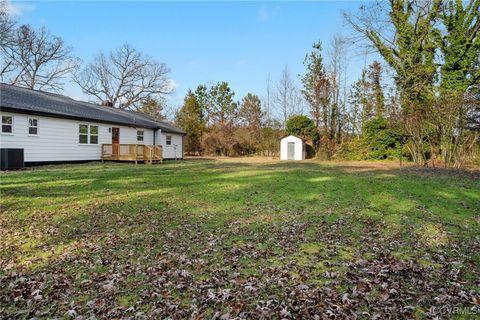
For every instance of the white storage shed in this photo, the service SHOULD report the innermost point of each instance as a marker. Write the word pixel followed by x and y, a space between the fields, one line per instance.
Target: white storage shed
pixel 292 148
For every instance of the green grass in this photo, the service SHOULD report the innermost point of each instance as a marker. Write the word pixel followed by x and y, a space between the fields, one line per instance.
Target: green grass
pixel 114 239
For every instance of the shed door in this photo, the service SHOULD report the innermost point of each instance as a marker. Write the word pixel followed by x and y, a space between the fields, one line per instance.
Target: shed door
pixel 291 151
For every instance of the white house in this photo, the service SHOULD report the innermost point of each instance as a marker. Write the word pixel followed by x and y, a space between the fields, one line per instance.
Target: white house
pixel 53 128
pixel 292 148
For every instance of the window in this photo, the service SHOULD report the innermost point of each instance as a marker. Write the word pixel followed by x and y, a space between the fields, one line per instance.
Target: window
pixel 7 124
pixel 139 135
pixel 169 140
pixel 83 134
pixel 32 126
pixel 93 134
pixel 88 131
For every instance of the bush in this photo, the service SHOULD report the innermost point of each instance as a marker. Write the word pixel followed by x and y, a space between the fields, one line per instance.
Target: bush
pixel 300 126
pixel 305 128
pixel 352 150
pixel 383 139
pixel 380 140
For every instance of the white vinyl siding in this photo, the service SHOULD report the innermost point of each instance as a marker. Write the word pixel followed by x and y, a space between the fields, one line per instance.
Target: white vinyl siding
pixel 59 138
pixel 129 135
pixel 174 150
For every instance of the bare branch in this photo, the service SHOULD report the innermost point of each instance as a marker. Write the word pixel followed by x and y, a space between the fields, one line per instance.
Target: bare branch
pixel 126 78
pixel 35 59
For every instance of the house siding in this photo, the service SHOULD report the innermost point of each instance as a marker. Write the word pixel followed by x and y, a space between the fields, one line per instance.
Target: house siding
pixel 173 151
pixel 57 139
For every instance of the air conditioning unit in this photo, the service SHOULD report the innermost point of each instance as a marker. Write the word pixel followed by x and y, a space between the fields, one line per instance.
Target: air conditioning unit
pixel 11 159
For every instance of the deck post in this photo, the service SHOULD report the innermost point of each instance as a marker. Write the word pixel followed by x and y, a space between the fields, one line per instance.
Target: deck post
pixel 135 154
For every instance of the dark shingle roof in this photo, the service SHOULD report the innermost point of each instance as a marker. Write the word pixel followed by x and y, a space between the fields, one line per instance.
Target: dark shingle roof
pixel 44 103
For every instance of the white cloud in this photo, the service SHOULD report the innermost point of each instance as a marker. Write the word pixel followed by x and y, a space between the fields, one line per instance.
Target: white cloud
pixel 172 85
pixel 194 62
pixel 17 9
pixel 242 62
pixel 265 14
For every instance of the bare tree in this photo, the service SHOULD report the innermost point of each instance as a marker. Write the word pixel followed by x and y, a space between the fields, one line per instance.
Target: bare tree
pixel 267 100
pixel 286 95
pixel 34 58
pixel 125 78
pixel 7 24
pixel 337 73
pixel 7 27
pixel 297 102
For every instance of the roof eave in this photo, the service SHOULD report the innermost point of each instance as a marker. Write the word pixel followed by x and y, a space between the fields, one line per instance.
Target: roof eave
pixel 62 116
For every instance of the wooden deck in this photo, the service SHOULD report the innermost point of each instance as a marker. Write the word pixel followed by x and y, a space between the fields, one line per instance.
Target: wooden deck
pixel 132 152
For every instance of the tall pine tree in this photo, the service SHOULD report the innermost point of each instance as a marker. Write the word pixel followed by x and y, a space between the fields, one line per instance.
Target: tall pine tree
pixel 190 118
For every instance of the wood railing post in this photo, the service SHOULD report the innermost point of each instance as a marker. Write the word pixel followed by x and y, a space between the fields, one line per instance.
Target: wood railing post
pixel 135 154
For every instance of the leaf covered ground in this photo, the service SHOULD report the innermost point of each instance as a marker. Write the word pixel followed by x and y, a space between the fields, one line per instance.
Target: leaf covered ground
pixel 239 239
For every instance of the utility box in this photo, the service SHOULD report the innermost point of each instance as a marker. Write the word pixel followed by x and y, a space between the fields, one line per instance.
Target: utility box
pixel 11 159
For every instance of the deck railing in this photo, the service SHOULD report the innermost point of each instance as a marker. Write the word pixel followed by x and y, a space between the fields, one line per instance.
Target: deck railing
pixel 132 152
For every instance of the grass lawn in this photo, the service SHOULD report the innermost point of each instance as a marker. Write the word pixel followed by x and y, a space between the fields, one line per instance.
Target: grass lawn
pixel 245 239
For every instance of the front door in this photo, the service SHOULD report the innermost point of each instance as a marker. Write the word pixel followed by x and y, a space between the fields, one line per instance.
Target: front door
pixel 115 140
pixel 291 151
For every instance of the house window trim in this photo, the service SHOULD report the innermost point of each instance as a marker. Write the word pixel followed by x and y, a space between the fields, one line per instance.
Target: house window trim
pixel 29 126
pixel 167 140
pixel 88 134
pixel 12 125
pixel 142 135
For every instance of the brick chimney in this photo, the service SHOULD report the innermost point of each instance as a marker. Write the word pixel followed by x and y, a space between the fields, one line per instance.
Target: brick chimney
pixel 107 103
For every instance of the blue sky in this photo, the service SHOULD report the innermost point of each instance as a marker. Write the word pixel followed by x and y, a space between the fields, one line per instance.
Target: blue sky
pixel 202 42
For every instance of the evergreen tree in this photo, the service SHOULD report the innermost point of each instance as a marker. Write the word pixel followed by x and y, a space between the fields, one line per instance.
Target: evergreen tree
pixel 301 126
pixel 152 107
pixel 190 119
pixel 223 106
pixel 316 85
pixel 250 113
pixel 202 97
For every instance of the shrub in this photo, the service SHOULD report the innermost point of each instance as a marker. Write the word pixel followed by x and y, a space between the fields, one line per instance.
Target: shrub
pixel 380 140
pixel 352 150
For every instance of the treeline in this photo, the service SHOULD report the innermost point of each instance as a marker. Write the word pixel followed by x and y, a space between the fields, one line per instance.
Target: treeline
pixel 216 124
pixel 424 99
pixel 433 51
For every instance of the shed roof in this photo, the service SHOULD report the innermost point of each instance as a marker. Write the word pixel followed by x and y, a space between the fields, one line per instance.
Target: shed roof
pixel 292 135
pixel 23 100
